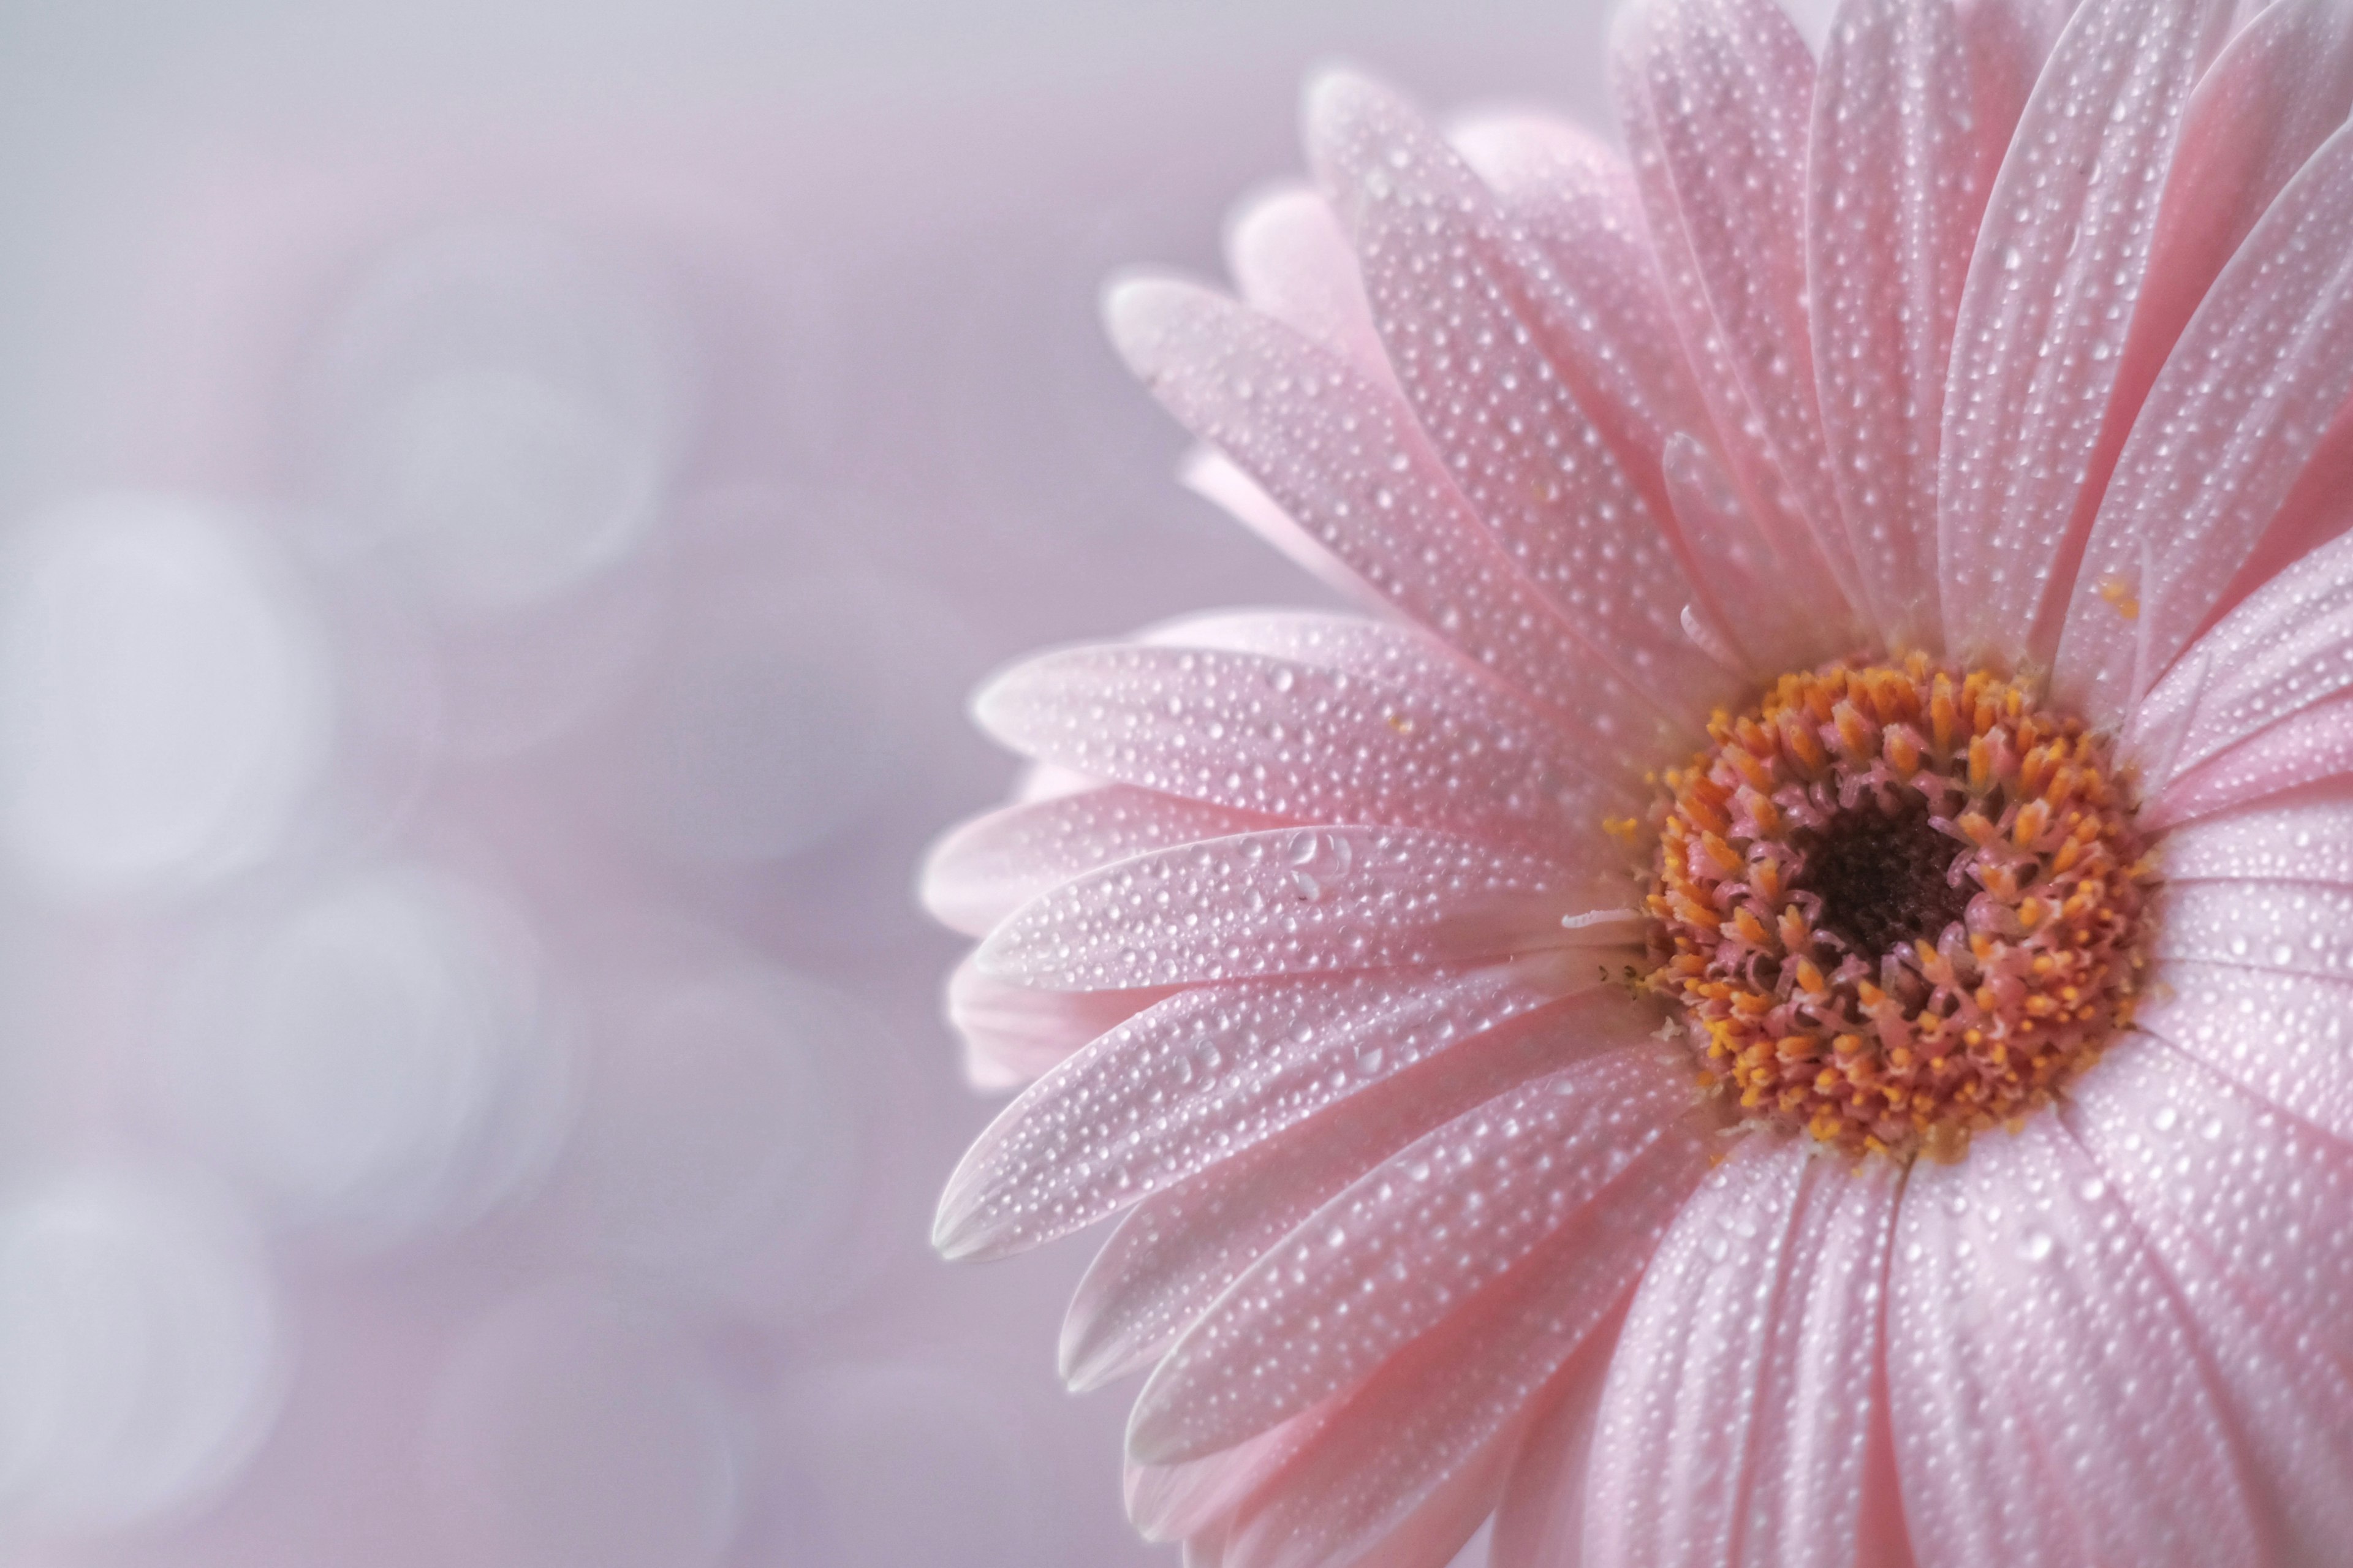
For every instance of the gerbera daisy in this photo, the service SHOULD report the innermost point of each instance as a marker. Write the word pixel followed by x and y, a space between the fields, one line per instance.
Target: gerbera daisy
pixel 1782 998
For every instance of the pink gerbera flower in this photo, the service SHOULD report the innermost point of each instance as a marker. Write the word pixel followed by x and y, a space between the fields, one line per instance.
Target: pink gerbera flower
pixel 1783 999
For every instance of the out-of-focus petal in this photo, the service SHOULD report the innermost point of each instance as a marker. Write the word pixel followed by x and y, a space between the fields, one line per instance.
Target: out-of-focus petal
pixel 1277 739
pixel 1391 1257
pixel 1507 416
pixel 1743 1421
pixel 1342 454
pixel 2059 266
pixel 1291 258
pixel 1207 1074
pixel 1013 1034
pixel 1898 181
pixel 1301 901
pixel 1177 1251
pixel 985 868
pixel 1717 99
pixel 2238 412
pixel 2050 1403
pixel 1213 477
pixel 2217 1184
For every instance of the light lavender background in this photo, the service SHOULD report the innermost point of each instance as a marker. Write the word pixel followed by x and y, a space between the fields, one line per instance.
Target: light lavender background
pixel 501 504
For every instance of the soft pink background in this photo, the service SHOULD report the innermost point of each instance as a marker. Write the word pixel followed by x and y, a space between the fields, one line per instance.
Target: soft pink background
pixel 505 501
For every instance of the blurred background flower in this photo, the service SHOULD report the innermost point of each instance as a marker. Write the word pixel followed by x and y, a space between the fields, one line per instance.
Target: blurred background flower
pixel 501 505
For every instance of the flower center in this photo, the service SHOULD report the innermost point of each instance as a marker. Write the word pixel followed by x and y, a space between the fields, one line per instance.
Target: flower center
pixel 1898 904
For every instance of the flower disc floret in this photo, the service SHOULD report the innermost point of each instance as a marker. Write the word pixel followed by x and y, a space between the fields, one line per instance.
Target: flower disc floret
pixel 1899 904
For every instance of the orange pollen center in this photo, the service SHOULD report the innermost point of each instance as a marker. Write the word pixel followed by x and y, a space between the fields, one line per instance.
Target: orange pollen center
pixel 1899 904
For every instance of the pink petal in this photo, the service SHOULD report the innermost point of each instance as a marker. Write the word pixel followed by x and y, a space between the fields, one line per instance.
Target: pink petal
pixel 2312 745
pixel 2291 928
pixel 2214 1180
pixel 1273 738
pixel 1203 1076
pixel 1300 900
pixel 2049 1402
pixel 1743 1420
pixel 2308 838
pixel 1461 300
pixel 1013 1034
pixel 1343 456
pixel 1718 100
pixel 1195 1499
pixel 1291 258
pixel 2286 1038
pixel 1457 1401
pixel 1816 546
pixel 1899 180
pixel 985 868
pixel 1177 1251
pixel 2281 650
pixel 1391 1257
pixel 1576 200
pixel 2050 296
pixel 1776 615
pixel 1210 475
pixel 1541 1521
pixel 2008 42
pixel 2229 426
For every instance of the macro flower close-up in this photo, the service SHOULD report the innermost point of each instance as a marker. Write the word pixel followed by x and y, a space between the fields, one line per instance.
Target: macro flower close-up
pixel 1773 990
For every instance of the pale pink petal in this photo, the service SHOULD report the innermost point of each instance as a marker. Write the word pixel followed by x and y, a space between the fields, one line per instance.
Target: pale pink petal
pixel 1191 1500
pixel 2286 1037
pixel 1342 454
pixel 2008 42
pixel 1739 1420
pixel 2246 1210
pixel 1391 652
pixel 1176 1252
pixel 1576 200
pixel 2293 928
pixel 1205 1074
pixel 2314 745
pixel 1391 1257
pixel 1300 900
pixel 2049 1402
pixel 1278 739
pixel 1213 477
pixel 1775 613
pixel 1013 1034
pixel 1458 1400
pixel 1899 180
pixel 2306 838
pixel 2284 648
pixel 1540 1523
pixel 2229 426
pixel 2051 287
pixel 985 868
pixel 1818 546
pixel 1717 97
pixel 1460 297
pixel 1290 258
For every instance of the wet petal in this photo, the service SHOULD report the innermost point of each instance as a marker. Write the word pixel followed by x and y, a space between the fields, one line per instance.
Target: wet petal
pixel 1391 1257
pixel 1200 1078
pixel 2049 298
pixel 1013 1034
pixel 2285 1039
pixel 2049 1402
pixel 1743 1421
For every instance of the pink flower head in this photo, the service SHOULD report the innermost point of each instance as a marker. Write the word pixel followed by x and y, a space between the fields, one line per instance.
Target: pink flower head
pixel 1781 996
